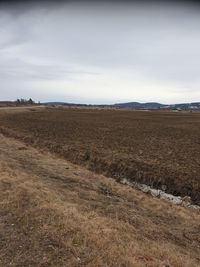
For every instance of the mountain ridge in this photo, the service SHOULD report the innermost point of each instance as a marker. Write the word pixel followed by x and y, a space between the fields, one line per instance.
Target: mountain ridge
pixel 135 105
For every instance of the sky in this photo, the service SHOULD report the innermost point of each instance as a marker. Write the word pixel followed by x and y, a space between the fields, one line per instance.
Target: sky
pixel 100 52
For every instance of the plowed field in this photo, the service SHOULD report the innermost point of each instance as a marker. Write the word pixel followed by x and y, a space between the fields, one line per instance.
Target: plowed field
pixel 156 148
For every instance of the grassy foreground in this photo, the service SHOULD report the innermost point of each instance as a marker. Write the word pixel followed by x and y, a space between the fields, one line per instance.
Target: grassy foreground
pixel 54 213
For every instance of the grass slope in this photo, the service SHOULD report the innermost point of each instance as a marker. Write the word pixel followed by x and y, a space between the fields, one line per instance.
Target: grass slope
pixel 54 213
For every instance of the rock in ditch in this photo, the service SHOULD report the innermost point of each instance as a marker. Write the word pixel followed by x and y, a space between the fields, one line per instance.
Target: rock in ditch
pixel 155 192
pixel 126 182
pixel 187 201
pixel 144 188
pixel 173 199
pixel 195 207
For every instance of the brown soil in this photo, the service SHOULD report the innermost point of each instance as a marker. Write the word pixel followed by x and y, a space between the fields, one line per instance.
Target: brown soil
pixel 156 148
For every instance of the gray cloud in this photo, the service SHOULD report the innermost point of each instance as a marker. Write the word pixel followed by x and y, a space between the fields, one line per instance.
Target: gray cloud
pixel 127 51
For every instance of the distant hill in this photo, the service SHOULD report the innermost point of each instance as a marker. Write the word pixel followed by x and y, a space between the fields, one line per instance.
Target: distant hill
pixel 187 106
pixel 128 105
pixel 135 105
pixel 155 105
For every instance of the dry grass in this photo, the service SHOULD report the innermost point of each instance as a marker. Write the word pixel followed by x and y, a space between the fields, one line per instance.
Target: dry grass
pixel 54 213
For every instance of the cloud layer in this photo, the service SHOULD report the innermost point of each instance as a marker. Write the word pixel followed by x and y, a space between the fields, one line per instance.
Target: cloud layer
pixel 100 53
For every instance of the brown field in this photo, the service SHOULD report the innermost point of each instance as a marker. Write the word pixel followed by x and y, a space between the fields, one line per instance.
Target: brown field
pixel 156 148
pixel 55 213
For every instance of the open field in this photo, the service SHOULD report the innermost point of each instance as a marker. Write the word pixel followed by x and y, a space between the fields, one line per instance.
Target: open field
pixel 54 213
pixel 156 148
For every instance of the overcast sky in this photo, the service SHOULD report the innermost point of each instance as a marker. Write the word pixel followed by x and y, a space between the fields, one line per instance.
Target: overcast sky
pixel 100 53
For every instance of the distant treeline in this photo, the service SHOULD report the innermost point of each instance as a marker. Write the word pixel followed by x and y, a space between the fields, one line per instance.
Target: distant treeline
pixel 23 102
pixel 18 102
